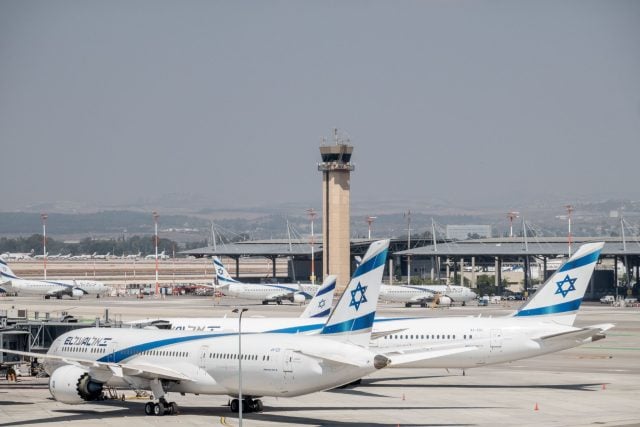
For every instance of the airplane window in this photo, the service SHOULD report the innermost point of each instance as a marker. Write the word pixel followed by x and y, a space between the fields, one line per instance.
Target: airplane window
pixel 464 336
pixel 438 336
pixel 411 336
pixel 454 337
pixel 470 336
pixel 448 337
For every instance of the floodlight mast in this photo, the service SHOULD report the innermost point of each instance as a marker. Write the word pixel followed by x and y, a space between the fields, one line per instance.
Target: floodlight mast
pixel 155 221
pixel 369 220
pixel 512 215
pixel 570 210
pixel 312 215
pixel 43 217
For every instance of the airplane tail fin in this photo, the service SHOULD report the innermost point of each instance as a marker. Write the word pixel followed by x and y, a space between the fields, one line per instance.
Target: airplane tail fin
pixel 223 276
pixel 352 318
pixel 320 304
pixel 5 271
pixel 560 296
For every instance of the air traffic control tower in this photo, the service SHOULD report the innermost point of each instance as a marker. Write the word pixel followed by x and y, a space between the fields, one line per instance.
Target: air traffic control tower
pixel 336 170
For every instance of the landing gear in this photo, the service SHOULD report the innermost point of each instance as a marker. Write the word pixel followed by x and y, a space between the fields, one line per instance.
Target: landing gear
pixel 248 405
pixel 162 407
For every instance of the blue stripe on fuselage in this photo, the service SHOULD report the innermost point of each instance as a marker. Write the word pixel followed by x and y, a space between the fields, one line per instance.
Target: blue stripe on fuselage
pixel 323 313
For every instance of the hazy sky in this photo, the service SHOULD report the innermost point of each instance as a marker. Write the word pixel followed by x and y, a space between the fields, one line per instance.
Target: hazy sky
pixel 109 101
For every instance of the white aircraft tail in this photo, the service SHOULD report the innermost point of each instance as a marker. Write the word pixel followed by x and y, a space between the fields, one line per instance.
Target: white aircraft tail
pixel 320 304
pixel 5 271
pixel 352 318
pixel 560 296
pixel 222 275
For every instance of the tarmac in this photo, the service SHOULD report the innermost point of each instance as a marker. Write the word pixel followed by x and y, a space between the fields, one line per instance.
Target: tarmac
pixel 595 384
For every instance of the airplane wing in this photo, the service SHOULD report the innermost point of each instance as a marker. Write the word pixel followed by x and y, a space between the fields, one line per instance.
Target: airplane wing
pixel 402 356
pixel 147 371
pixel 595 332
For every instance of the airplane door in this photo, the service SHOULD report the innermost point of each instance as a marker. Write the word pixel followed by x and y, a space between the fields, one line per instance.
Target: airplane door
pixel 202 359
pixel 496 340
pixel 287 365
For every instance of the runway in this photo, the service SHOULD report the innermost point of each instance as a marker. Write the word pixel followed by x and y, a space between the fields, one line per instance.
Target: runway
pixel 596 384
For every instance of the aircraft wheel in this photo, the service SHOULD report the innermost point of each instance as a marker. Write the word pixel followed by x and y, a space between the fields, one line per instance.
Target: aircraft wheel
pixel 148 408
pixel 173 408
pixel 159 409
pixel 264 302
pixel 279 302
pixel 407 305
pixel 258 405
pixel 235 405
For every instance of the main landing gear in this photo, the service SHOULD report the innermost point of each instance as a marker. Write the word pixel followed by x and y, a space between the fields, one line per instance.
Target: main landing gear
pixel 248 405
pixel 162 407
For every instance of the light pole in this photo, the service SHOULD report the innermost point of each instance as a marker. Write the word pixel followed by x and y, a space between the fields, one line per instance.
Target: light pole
pixel 512 215
pixel 43 217
pixel 569 212
pixel 312 214
pixel 155 221
pixel 369 220
pixel 240 311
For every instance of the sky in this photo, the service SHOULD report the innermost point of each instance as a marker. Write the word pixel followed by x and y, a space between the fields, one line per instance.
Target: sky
pixel 109 102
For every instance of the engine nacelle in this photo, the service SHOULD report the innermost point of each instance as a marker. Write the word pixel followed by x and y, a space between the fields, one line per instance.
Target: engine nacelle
pixel 73 385
pixel 444 300
pixel 77 292
pixel 299 298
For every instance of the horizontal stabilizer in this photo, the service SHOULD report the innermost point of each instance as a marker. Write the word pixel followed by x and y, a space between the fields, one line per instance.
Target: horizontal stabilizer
pixel 399 357
pixel 331 357
pixel 595 332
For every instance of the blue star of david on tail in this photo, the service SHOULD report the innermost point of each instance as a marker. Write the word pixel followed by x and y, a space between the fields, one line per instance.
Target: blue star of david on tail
pixel 356 303
pixel 564 281
pixel 321 303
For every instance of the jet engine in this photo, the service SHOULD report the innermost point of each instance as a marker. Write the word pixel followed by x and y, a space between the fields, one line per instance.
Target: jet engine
pixel 77 292
pixel 299 298
pixel 73 385
pixel 444 300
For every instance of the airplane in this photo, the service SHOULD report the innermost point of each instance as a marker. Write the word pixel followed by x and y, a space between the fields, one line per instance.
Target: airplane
pixel 319 307
pixel 84 256
pixel 133 256
pixel 543 324
pixel 80 363
pixel 161 256
pixel 105 256
pixel 48 288
pixel 424 294
pixel 16 256
pixel 264 292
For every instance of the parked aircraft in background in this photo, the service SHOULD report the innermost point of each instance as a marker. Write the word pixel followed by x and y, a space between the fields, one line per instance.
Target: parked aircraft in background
pixel 47 288
pixel 84 256
pixel 265 292
pixel 425 294
pixel 16 256
pixel 319 307
pixel 82 362
pixel 161 256
pixel 100 256
pixel 133 256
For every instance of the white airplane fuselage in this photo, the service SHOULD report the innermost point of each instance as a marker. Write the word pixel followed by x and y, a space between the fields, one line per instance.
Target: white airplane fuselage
pixel 261 292
pixel 272 364
pixel 490 340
